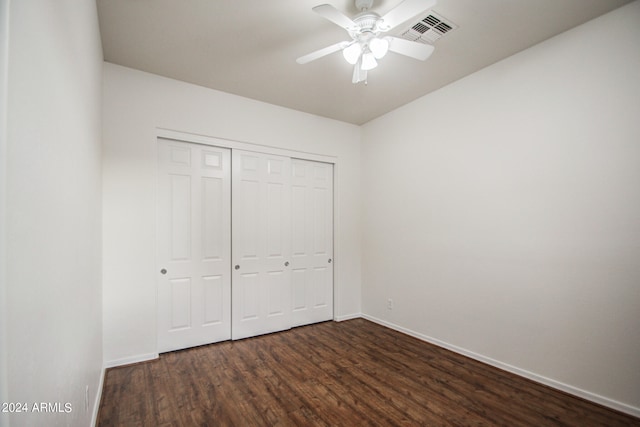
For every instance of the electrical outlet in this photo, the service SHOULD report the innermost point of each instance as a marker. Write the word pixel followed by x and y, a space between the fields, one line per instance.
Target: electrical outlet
pixel 389 304
pixel 86 399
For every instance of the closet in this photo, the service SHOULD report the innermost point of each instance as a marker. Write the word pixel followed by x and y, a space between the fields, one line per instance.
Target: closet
pixel 244 243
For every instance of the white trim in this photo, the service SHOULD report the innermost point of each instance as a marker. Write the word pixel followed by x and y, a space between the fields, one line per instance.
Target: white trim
pixel 96 403
pixel 131 360
pixel 242 145
pixel 348 317
pixel 336 249
pixel 156 195
pixel 593 397
pixel 177 135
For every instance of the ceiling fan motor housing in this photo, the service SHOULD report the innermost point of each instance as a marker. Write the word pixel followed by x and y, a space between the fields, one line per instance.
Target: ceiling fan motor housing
pixel 367 24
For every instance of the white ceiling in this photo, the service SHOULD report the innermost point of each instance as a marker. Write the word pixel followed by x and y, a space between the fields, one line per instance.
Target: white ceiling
pixel 249 47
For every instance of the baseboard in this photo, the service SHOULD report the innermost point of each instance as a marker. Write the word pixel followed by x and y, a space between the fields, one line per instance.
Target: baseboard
pixel 347 317
pixel 593 397
pixel 130 360
pixel 96 404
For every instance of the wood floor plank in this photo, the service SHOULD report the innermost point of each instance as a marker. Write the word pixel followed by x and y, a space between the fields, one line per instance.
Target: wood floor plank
pixel 353 373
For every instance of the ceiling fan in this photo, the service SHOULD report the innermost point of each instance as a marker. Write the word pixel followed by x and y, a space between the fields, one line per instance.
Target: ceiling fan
pixel 368 44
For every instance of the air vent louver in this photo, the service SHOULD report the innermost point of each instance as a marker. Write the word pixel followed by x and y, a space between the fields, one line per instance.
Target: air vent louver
pixel 429 29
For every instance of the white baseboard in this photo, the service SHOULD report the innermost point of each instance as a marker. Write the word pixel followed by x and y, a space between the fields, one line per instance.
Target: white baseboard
pixel 130 360
pixel 593 397
pixel 347 317
pixel 96 404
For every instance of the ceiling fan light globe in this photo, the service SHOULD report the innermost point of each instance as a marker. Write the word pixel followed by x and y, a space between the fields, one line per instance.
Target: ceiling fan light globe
pixel 352 53
pixel 379 47
pixel 369 61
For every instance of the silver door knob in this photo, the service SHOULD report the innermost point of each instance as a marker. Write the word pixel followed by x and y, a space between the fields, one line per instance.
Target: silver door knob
pixel 286 264
pixel 237 267
pixel 163 271
pixel 329 260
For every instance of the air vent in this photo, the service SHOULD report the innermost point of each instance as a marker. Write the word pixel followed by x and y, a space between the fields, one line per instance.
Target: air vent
pixel 429 29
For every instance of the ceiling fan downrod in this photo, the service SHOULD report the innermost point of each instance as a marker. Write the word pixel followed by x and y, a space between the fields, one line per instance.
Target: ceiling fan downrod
pixel 363 5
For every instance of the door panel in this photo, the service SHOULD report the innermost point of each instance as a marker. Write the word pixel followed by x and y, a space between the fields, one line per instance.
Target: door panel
pixel 180 219
pixel 213 300
pixel 213 216
pixel 194 240
pixel 180 304
pixel 261 244
pixel 312 241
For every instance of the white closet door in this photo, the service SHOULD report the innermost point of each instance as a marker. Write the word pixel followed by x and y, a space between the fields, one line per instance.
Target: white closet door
pixel 312 242
pixel 194 245
pixel 261 295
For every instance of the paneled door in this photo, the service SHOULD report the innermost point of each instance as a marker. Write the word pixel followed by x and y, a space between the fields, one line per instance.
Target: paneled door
pixel 311 242
pixel 261 229
pixel 194 244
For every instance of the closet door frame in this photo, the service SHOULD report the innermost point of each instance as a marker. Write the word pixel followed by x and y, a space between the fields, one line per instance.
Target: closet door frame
pixel 266 149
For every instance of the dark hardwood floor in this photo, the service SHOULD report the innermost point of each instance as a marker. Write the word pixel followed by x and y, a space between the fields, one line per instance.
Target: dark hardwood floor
pixel 334 374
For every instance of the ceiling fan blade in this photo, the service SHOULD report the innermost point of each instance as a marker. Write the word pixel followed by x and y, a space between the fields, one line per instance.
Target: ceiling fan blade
pixel 405 11
pixel 415 50
pixel 334 15
pixel 322 52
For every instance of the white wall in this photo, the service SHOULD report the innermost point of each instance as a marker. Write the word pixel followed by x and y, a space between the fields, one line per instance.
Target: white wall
pixel 135 105
pixel 4 61
pixel 502 213
pixel 53 208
